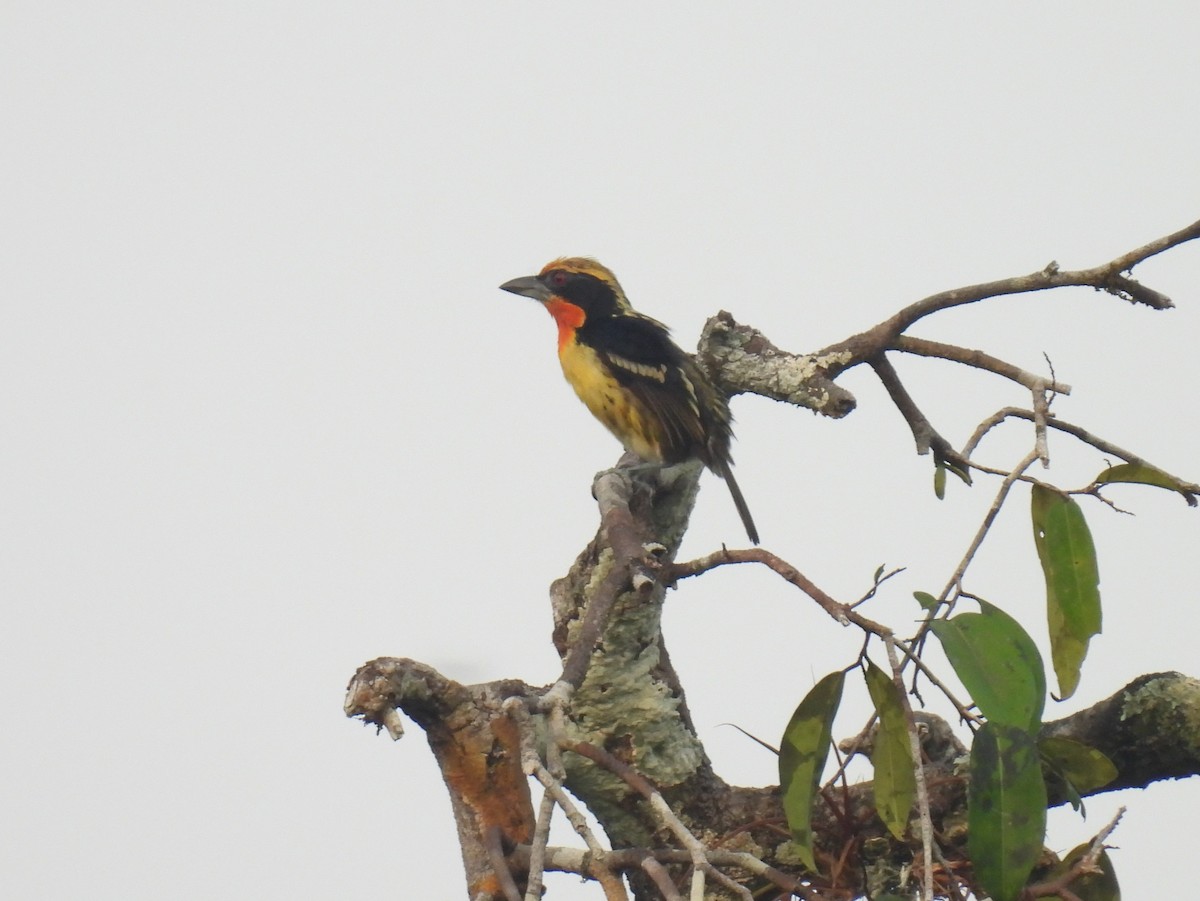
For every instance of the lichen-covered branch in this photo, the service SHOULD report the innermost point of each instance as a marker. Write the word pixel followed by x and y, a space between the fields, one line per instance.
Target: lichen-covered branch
pixel 1150 730
pixel 744 360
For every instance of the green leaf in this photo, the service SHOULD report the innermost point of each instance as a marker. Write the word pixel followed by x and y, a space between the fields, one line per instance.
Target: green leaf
pixel 925 599
pixel 1064 545
pixel 1006 809
pixel 895 782
pixel 802 753
pixel 1072 793
pixel 998 663
pixel 1145 474
pixel 1100 886
pixel 939 481
pixel 1086 769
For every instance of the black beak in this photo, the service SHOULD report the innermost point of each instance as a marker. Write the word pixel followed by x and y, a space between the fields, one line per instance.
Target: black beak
pixel 527 286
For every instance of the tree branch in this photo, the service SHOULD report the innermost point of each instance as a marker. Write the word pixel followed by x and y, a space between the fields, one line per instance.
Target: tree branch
pixel 1189 490
pixel 1105 277
pixel 977 359
pixel 1150 730
pixel 619 694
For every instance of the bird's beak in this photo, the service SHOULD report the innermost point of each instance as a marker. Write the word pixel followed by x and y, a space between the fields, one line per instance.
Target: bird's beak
pixel 527 286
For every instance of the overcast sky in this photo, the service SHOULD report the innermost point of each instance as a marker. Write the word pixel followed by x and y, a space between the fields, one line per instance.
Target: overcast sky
pixel 266 415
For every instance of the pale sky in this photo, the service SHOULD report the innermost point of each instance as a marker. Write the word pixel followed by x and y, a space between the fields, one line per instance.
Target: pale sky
pixel 267 416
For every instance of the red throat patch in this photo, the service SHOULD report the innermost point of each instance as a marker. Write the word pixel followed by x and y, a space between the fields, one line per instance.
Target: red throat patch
pixel 568 316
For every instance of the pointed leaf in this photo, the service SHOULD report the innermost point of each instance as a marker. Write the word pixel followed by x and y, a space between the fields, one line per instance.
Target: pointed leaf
pixel 950 461
pixel 802 754
pixel 1085 768
pixel 1006 809
pixel 895 782
pixel 1100 886
pixel 998 663
pixel 925 599
pixel 1072 793
pixel 1145 474
pixel 1064 546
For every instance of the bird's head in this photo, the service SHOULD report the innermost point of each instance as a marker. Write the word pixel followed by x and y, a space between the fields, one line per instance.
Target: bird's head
pixel 573 282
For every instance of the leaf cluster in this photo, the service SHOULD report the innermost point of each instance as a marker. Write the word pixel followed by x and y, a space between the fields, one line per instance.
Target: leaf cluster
pixel 1011 768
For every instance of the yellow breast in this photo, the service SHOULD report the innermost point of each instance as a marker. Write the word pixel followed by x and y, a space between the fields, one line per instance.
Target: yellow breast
pixel 603 395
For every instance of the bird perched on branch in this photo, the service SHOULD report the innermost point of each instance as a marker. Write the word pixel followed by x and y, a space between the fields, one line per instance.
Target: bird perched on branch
pixel 626 369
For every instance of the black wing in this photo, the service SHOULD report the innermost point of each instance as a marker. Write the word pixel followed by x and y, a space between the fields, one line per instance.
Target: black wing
pixel 675 395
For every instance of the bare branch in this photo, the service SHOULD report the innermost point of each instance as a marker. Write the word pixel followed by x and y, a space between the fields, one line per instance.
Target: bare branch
pixel 1041 413
pixel 673 572
pixel 662 810
pixel 573 860
pixel 959 571
pixel 880 578
pixel 537 853
pixel 965 713
pixel 977 359
pixel 495 852
pixel 612 489
pixel 914 744
pixel 924 434
pixel 1105 277
pixel 986 426
pixel 870 346
pixel 1128 261
pixel 599 865
pixel 661 878
pixel 1101 444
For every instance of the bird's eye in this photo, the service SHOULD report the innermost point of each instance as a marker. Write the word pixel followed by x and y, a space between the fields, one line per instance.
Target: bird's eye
pixel 557 278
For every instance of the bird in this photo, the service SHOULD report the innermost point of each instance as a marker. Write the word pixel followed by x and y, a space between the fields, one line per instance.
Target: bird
pixel 624 366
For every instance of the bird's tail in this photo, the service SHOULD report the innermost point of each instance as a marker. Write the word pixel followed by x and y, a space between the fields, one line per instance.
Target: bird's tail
pixel 725 471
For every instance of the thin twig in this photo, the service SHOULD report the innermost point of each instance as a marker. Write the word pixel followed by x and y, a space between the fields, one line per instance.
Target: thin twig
pixel 517 709
pixel 955 581
pixel 879 579
pixel 1105 276
pixel 537 848
pixel 627 570
pixel 1041 413
pixel 964 710
pixel 658 805
pixel 1104 446
pixel 914 743
pixel 598 856
pixel 661 878
pixel 952 879
pixel 925 435
pixel 730 884
pixel 977 359
pixel 674 572
pixel 1087 863
pixel 574 815
pixel 986 426
pixel 842 613
pixel 576 860
pixel 495 853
